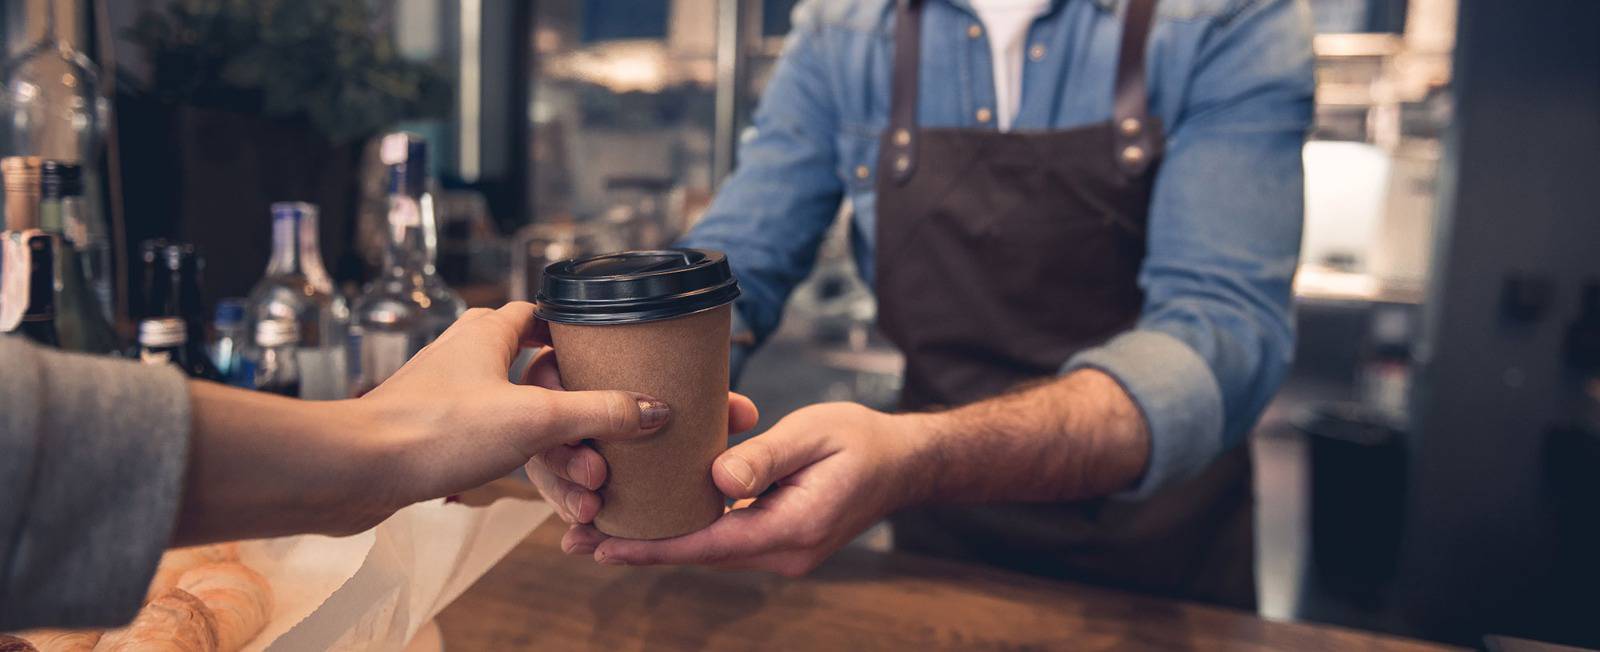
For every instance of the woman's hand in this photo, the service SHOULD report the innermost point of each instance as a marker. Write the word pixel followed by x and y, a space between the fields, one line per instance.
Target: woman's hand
pixel 448 421
pixel 570 476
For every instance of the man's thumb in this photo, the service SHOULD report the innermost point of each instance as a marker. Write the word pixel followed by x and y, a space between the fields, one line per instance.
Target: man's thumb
pixel 570 417
pixel 747 470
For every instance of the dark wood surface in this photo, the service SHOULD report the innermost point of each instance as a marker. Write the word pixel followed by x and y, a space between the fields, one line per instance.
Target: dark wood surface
pixel 859 600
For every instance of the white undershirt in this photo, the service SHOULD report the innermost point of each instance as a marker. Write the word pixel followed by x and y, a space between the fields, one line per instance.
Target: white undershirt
pixel 1006 22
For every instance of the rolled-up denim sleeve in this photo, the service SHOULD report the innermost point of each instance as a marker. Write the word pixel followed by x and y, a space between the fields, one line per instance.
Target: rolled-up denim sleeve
pixel 770 216
pixel 1216 338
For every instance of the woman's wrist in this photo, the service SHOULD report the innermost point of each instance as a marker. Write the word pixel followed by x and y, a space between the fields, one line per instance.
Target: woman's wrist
pixel 263 465
pixel 372 476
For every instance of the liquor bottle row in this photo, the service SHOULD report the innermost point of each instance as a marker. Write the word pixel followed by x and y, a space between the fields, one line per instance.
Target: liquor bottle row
pixel 294 334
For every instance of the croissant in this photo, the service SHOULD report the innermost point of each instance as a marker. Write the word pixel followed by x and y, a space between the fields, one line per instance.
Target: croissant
pixel 177 561
pixel 9 643
pixel 239 597
pixel 174 622
pixel 61 640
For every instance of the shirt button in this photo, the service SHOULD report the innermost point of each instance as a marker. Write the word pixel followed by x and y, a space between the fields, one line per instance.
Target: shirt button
pixel 974 31
pixel 1036 52
pixel 902 137
pixel 984 114
pixel 863 172
pixel 1133 154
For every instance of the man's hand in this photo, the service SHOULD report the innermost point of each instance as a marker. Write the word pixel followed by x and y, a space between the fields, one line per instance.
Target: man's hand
pixel 819 477
pixel 570 476
pixel 827 472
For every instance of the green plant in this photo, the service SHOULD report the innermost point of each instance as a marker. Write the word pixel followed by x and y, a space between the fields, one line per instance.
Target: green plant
pixel 328 62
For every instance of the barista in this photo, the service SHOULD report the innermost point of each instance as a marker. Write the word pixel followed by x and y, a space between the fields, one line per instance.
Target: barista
pixel 1081 219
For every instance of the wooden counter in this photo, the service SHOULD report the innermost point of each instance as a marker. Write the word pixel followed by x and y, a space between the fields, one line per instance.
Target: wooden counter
pixel 538 598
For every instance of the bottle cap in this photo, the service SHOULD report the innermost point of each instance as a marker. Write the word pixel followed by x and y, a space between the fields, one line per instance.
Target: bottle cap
pixel 59 179
pixel 230 312
pixel 635 286
pixel 406 156
pixel 179 254
pixel 162 332
pixel 150 250
pixel 277 332
pixel 295 210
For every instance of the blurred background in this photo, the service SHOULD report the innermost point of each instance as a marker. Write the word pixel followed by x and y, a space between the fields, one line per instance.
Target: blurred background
pixel 1431 468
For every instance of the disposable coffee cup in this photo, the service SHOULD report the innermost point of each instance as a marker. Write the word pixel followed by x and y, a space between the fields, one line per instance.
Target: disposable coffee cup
pixel 656 323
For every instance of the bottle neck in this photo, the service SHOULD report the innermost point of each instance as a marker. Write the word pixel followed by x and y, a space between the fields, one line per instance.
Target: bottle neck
pixel 51 218
pixel 413 236
pixel 74 220
pixel 43 14
pixel 42 280
pixel 295 251
pixel 22 209
pixel 184 302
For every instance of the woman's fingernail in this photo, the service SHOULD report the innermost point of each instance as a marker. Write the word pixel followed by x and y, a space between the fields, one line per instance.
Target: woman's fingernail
pixel 609 561
pixel 740 470
pixel 653 413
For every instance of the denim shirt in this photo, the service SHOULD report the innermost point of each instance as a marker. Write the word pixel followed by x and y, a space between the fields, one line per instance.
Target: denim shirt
pixel 1231 79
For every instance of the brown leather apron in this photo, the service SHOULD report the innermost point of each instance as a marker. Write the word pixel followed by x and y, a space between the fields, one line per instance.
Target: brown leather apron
pixel 999 255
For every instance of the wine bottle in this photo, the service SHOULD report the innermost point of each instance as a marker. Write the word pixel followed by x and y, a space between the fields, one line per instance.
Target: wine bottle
pixel 39 318
pixel 172 291
pixel 81 308
pixel 164 340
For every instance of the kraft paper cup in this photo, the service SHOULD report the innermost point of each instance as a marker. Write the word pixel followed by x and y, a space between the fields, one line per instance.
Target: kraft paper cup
pixel 656 323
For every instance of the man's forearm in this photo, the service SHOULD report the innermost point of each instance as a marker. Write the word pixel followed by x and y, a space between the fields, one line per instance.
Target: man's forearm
pixel 1075 437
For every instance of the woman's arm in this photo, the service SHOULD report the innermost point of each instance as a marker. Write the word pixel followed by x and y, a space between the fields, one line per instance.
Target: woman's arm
pixel 263 465
pixel 105 463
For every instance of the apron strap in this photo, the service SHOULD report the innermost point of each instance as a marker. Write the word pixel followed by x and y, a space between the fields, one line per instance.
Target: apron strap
pixel 1136 134
pixel 903 89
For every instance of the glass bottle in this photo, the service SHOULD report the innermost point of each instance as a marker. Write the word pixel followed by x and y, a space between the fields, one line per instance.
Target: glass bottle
pixel 184 266
pixel 82 312
pixel 154 281
pixel 39 317
pixel 173 291
pixel 297 287
pixel 274 360
pixel 407 305
pixel 50 104
pixel 62 182
pixel 229 337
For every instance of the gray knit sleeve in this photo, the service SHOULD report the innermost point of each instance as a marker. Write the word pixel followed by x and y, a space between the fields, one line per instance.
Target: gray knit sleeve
pixel 92 458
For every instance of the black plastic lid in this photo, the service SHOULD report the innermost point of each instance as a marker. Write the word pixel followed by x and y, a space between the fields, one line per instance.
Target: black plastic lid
pixel 635 286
